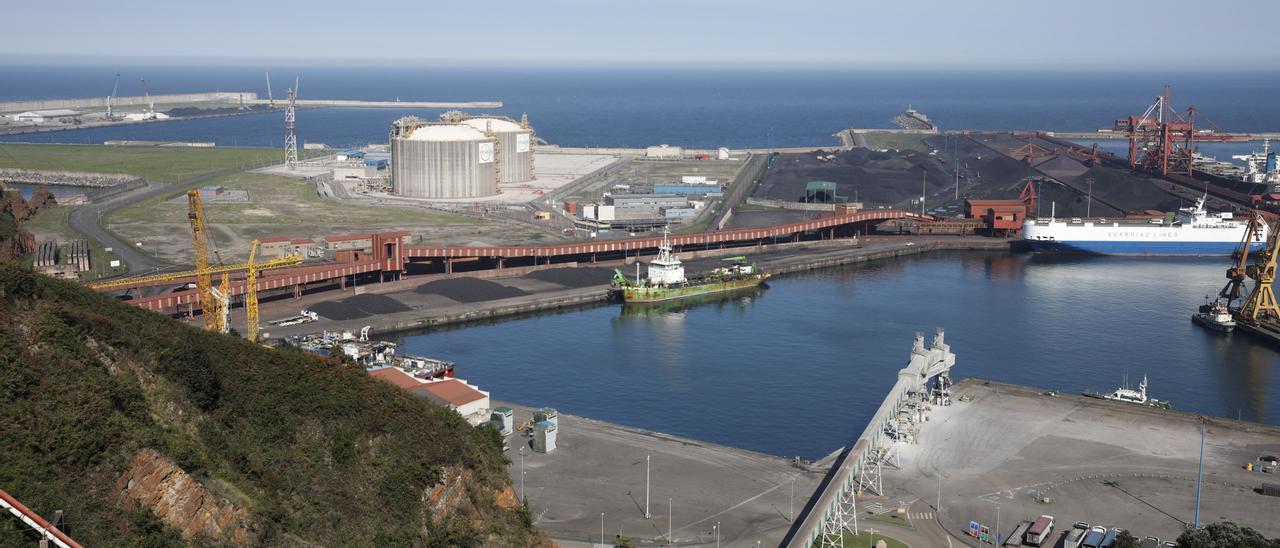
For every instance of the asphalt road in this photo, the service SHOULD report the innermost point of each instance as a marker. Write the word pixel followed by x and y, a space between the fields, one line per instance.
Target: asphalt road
pixel 85 220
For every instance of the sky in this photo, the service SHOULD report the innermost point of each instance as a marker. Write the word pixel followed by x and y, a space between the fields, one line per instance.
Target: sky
pixel 1228 34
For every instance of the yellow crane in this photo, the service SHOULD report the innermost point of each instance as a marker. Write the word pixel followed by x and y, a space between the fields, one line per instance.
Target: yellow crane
pixel 215 302
pixel 1261 302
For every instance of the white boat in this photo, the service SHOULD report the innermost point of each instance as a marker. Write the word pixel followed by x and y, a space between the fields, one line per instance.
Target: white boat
pixel 1215 316
pixel 1129 395
pixel 1193 231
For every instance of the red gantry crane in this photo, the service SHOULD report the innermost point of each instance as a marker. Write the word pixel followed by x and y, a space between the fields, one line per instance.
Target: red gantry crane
pixel 1163 140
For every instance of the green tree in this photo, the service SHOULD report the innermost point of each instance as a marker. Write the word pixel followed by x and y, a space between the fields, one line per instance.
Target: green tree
pixel 1225 534
pixel 1126 540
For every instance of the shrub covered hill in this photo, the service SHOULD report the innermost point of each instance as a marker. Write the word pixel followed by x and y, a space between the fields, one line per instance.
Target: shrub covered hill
pixel 147 432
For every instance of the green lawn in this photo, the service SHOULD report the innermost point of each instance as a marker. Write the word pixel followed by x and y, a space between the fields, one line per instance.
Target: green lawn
pixel 866 539
pixel 893 518
pixel 163 164
pixel 277 200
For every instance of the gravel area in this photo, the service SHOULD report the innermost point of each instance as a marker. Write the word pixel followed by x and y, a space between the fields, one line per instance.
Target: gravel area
pixel 574 277
pixel 359 306
pixel 469 290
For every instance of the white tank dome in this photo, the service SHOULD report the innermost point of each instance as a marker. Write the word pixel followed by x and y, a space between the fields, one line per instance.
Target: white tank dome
pixel 498 125
pixel 446 133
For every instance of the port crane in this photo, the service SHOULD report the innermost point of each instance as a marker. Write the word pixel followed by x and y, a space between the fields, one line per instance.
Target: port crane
pixel 215 302
pixel 1261 302
pixel 114 89
pixel 1163 140
pixel 151 105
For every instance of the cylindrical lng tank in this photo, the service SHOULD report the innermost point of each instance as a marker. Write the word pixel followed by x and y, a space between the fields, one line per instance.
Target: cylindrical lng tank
pixel 442 161
pixel 515 147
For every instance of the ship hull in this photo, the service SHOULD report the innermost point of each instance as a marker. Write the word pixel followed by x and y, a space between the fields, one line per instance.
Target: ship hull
pixel 640 295
pixel 1139 248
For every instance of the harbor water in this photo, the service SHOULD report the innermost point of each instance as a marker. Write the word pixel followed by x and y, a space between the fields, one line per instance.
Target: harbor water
pixel 798 368
pixel 703 107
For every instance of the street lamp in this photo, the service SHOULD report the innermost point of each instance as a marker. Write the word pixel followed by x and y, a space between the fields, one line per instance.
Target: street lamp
pixel 647 515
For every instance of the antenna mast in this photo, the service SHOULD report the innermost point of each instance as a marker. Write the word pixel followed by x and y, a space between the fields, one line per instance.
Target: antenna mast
pixel 291 131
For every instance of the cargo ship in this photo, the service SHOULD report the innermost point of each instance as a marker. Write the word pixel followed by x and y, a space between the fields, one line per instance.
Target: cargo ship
pixel 1192 231
pixel 666 280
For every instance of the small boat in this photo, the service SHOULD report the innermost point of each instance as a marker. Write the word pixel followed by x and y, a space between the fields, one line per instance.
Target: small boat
pixel 1215 316
pixel 1129 395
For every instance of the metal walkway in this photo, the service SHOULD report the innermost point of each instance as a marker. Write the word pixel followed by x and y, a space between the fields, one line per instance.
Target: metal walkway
pixel 33 520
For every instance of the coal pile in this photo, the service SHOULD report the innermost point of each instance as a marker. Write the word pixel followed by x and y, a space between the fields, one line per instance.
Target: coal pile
pixel 469 290
pixel 359 306
pixel 879 178
pixel 573 277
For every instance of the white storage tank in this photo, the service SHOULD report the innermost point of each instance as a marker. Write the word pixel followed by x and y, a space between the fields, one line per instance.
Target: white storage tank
pixel 515 146
pixel 441 160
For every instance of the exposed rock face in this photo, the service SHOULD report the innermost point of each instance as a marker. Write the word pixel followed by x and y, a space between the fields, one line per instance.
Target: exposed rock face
pixel 450 496
pixel 154 482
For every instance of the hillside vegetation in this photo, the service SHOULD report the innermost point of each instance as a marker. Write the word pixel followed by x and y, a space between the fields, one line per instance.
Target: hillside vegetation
pixel 147 432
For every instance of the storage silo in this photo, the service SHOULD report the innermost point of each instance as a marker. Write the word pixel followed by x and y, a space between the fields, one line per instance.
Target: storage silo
pixel 441 160
pixel 515 146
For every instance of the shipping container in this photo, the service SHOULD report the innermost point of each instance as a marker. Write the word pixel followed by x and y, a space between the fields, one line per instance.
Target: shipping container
pixel 1271 490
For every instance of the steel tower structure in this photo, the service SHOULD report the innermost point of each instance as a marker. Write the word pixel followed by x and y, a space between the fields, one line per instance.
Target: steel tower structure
pixel 291 131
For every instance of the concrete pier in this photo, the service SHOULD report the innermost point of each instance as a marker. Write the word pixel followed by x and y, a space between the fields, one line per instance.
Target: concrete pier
pixel 350 103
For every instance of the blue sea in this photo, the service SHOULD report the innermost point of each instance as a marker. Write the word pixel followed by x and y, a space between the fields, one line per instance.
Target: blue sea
pixel 640 107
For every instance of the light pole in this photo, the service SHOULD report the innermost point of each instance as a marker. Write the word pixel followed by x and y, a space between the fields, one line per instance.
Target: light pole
pixel 1199 474
pixel 997 525
pixel 522 473
pixel 717 531
pixel 1088 204
pixel 647 515
pixel 791 511
pixel 601 527
pixel 669 539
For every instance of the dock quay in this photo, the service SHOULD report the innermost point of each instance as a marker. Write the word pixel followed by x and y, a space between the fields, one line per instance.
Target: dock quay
pixel 420 308
pixel 598 468
pixel 1001 454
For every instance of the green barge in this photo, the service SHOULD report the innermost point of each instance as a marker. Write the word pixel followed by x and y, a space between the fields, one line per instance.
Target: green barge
pixel 666 280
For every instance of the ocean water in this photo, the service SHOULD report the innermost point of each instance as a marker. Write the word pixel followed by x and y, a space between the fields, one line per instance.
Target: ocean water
pixel 800 368
pixel 631 108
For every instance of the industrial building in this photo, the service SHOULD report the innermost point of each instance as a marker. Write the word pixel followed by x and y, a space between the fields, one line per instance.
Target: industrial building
pixel 456 394
pixel 515 146
pixel 284 246
pixel 42 116
pixel 442 160
pixel 1000 217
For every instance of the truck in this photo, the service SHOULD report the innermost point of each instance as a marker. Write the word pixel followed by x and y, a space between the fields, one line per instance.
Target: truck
pixel 1015 538
pixel 1075 537
pixel 1040 530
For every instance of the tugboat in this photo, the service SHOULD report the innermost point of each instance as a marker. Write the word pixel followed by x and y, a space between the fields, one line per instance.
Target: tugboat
pixel 666 279
pixel 1215 316
pixel 1129 395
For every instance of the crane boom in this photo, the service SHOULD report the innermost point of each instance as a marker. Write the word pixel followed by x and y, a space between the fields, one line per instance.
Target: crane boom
pixel 176 276
pixel 1262 300
pixel 251 296
pixel 200 246
pixel 115 88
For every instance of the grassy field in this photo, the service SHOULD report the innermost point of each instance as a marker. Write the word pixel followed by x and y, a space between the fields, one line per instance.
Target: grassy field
pixel 866 539
pixel 282 206
pixel 163 164
pixel 51 223
pixel 900 141
pixel 891 518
